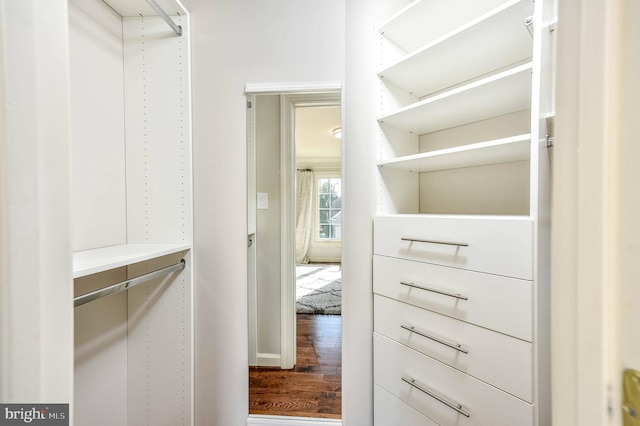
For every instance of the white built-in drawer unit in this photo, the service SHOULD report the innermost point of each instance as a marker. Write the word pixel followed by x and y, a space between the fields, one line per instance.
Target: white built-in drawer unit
pixel 442 393
pixel 495 358
pixel 496 245
pixel 495 302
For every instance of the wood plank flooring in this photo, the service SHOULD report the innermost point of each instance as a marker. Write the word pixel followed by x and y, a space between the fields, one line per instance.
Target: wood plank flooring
pixel 313 387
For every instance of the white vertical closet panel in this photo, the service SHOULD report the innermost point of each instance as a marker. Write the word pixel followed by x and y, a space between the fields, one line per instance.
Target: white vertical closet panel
pixel 97 126
pixel 157 102
pixel 157 125
pixel 159 349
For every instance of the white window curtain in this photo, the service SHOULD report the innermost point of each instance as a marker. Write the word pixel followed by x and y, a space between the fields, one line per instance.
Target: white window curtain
pixel 304 208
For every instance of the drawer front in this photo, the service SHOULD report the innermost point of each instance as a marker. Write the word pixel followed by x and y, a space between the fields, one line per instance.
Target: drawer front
pixel 495 358
pixel 442 393
pixel 390 411
pixel 496 246
pixel 498 303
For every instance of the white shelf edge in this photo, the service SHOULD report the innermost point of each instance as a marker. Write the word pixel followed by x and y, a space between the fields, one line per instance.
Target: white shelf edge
pixel 414 25
pixel 462 90
pixel 509 217
pixel 93 261
pixel 477 154
pixel 485 19
pixel 380 27
pixel 458 90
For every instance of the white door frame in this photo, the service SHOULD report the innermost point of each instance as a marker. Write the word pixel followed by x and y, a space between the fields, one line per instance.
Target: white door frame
pixel 293 95
pixel 288 105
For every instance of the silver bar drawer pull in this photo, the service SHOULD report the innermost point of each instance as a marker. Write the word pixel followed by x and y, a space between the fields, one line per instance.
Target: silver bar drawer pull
pixel 453 406
pixel 455 346
pixel 433 290
pixel 446 243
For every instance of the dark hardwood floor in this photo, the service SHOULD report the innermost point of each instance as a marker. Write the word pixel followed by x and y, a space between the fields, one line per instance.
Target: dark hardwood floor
pixel 313 387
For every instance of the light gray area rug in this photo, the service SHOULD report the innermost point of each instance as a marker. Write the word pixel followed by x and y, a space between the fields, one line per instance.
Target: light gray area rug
pixel 318 289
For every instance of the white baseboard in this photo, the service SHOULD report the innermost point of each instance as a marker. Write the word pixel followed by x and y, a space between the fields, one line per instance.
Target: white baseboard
pixel 268 360
pixel 254 420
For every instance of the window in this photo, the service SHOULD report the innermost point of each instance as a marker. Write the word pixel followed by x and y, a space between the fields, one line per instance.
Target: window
pixel 329 209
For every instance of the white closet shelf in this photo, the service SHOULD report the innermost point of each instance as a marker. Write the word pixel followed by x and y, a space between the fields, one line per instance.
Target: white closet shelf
pixel 503 93
pixel 102 259
pixel 141 7
pixel 505 150
pixel 488 217
pixel 423 21
pixel 463 54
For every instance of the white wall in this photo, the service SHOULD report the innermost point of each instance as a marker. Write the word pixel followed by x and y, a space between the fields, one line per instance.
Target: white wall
pixel 235 43
pixel 36 351
pixel 268 234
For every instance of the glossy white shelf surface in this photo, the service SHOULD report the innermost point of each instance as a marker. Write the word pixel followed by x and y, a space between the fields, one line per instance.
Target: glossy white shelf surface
pixel 423 21
pixel 503 93
pixel 478 154
pixel 493 41
pixel 102 259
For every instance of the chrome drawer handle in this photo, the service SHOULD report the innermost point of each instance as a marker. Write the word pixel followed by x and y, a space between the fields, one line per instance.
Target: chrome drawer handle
pixel 433 290
pixel 446 243
pixel 455 346
pixel 453 406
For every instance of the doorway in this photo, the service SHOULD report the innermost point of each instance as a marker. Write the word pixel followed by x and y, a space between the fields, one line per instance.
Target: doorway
pixel 283 343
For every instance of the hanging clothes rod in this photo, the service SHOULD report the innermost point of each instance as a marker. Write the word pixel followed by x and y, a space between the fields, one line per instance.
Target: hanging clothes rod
pixel 167 18
pixel 125 285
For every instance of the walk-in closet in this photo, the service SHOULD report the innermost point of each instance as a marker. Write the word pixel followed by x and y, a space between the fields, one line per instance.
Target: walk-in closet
pixel 131 212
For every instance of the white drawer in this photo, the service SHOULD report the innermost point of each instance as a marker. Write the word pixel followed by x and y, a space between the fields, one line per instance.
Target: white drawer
pixel 495 358
pixel 498 303
pixel 494 245
pixel 483 404
pixel 390 411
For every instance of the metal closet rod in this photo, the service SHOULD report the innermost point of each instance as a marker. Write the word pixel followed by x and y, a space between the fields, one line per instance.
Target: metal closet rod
pixel 125 285
pixel 167 18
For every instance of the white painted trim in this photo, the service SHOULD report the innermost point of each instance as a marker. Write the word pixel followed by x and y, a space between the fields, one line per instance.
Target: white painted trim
pixel 254 420
pixel 252 289
pixel 293 88
pixel 268 360
pixel 288 103
pixel 288 234
pixel 587 211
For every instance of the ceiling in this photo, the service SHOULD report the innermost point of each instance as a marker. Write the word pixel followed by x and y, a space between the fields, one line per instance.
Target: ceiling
pixel 313 133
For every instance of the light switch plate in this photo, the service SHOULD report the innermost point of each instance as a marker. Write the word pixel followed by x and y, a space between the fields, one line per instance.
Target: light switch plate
pixel 263 200
pixel 631 398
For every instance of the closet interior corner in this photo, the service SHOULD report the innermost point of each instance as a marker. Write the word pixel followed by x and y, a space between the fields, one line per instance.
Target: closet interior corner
pixel 131 182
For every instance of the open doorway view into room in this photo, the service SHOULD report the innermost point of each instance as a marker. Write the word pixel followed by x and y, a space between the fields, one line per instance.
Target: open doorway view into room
pixel 310 386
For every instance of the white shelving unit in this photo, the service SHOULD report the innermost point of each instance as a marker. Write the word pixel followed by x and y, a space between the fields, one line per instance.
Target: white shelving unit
pixel 132 212
pixel 463 181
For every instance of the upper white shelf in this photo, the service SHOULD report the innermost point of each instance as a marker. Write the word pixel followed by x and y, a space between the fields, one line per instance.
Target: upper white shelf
pixel 141 7
pixel 499 94
pixel 99 260
pixel 478 154
pixel 493 41
pixel 426 20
